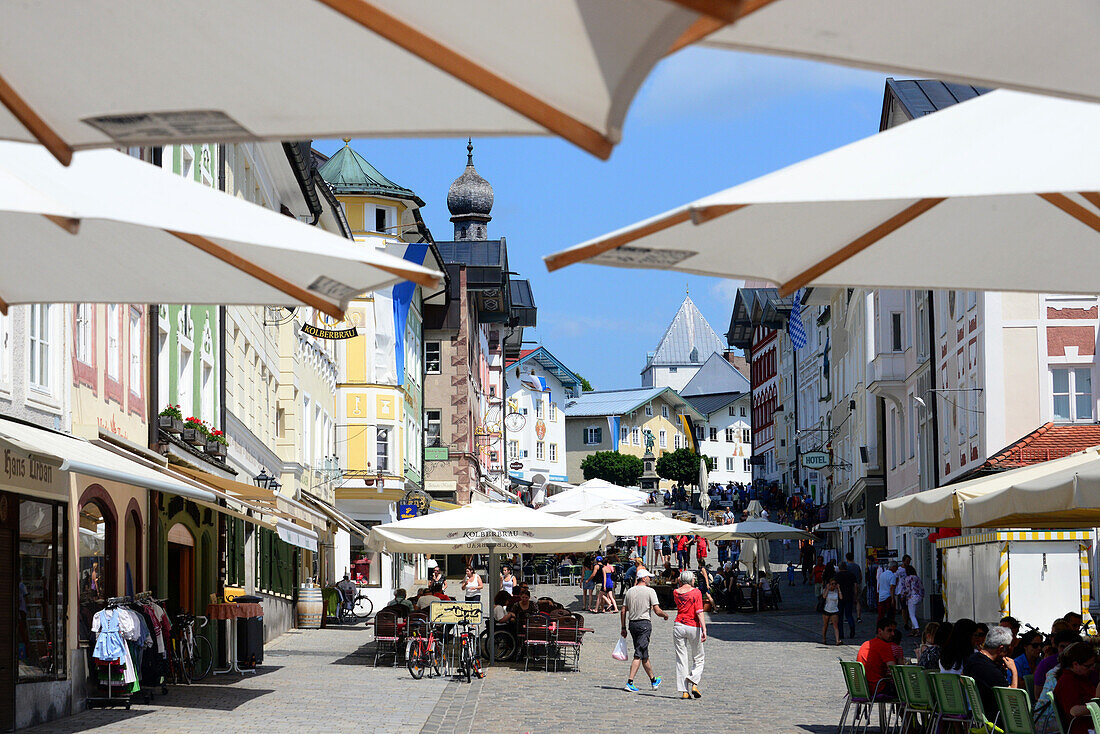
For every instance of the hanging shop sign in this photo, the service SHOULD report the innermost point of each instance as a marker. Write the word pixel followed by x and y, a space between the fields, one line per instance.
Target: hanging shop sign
pixel 319 333
pixel 406 512
pixel 516 465
pixel 454 612
pixel 417 498
pixel 815 459
pixel 25 470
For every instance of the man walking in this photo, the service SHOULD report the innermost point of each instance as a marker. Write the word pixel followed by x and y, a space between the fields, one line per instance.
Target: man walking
pixel 849 592
pixel 887 587
pixel 855 570
pixel 639 606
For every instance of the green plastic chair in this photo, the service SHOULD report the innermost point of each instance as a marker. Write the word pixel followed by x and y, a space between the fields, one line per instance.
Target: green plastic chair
pixel 1094 713
pixel 860 699
pixel 1049 695
pixel 1027 683
pixel 916 692
pixel 1014 705
pixel 981 722
pixel 950 700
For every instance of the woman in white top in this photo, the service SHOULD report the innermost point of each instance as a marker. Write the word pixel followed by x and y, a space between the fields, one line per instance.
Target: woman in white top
pixel 471 584
pixel 507 580
pixel 830 610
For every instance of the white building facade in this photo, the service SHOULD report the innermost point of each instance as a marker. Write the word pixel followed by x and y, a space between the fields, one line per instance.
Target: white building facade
pixel 537 386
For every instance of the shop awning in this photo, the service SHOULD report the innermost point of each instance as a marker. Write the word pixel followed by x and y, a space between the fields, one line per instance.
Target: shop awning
pixel 827 527
pixel 296 535
pixel 82 457
pixel 234 507
pixel 269 502
pixel 344 521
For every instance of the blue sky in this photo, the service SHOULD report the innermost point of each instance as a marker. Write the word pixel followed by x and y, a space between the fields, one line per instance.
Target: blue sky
pixel 705 120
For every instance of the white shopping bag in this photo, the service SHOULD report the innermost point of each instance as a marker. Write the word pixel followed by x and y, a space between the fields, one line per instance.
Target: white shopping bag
pixel 619 653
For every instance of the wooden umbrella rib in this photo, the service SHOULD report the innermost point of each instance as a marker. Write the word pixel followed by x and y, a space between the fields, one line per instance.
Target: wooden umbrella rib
pixel 484 80
pixel 570 257
pixel 3 307
pixel 857 245
pixel 1092 197
pixel 69 224
pixel 35 125
pixel 1075 210
pixel 704 214
pixel 425 279
pixel 261 274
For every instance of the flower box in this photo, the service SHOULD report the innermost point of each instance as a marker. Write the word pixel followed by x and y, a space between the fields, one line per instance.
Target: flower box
pixel 215 448
pixel 170 424
pixel 193 436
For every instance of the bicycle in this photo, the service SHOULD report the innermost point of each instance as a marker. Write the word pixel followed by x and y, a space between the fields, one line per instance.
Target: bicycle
pixel 465 638
pixel 422 653
pixel 359 609
pixel 192 655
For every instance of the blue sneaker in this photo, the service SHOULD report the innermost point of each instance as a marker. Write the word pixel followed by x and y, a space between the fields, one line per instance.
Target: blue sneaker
pixel 631 687
pixel 656 682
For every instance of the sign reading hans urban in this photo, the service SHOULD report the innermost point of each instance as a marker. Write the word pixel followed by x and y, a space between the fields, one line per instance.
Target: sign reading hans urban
pixel 24 470
pixel 815 459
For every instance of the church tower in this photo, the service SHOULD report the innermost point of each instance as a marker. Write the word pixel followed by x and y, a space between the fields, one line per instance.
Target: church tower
pixel 470 200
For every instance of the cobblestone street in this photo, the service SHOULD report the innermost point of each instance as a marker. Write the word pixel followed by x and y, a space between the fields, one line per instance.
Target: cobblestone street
pixel 764 672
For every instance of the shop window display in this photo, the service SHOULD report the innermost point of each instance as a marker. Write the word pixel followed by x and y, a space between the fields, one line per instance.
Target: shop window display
pixel 96 535
pixel 41 646
pixel 366 564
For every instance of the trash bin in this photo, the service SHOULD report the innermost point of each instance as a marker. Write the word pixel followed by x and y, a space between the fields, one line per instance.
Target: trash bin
pixel 250 642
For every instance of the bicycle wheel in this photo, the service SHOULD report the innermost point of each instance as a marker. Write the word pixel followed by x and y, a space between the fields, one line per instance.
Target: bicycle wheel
pixel 505 645
pixel 362 608
pixel 465 665
pixel 475 665
pixel 438 657
pixel 203 658
pixel 415 657
pixel 187 661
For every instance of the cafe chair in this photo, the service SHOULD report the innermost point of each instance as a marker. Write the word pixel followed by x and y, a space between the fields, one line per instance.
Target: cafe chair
pixel 567 641
pixel 915 691
pixel 537 640
pixel 977 709
pixel 1014 705
pixel 387 636
pixel 860 700
pixel 951 704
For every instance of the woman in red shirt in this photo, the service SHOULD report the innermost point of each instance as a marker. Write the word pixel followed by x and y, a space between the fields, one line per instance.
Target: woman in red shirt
pixel 1074 688
pixel 689 632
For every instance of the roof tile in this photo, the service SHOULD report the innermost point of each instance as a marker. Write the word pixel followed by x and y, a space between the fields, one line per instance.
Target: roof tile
pixel 1048 441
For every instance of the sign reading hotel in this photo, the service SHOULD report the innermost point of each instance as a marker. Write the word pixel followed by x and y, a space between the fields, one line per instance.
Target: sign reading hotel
pixel 815 459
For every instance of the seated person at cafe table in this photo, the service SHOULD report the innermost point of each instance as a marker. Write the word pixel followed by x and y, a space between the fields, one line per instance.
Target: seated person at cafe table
pixel 1076 687
pixel 400 601
pixel 521 608
pixel 990 667
pixel 435 592
pixel 877 655
pixel 503 617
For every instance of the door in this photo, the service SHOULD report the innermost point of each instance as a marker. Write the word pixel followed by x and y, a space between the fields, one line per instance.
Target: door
pixel 7 622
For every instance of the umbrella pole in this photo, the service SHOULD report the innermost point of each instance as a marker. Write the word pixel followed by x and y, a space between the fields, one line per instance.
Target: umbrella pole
pixel 494 587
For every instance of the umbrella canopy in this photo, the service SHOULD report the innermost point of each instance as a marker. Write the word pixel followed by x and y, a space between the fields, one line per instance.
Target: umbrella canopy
pixel 997 173
pixel 756 530
pixel 184 242
pixel 654 523
pixel 589 495
pixel 474 528
pixel 704 485
pixel 94 74
pixel 942 506
pixel 1048 47
pixel 1058 494
pixel 605 512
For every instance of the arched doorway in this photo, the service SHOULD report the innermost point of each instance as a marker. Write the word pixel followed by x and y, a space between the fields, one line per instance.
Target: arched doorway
pixel 134 580
pixel 181 569
pixel 97 533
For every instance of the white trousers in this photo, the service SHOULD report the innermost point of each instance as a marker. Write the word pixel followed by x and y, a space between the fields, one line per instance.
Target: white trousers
pixel 689 654
pixel 912 604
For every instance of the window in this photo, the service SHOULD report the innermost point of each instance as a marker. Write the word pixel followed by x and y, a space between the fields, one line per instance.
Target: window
pixel 676 441
pixel 971 300
pixel 649 411
pixel 85 341
pixel 137 341
pixel 42 649
pixel 729 463
pixel 747 466
pixel 731 435
pixel 553 452
pixel 432 359
pixel 307 432
pixel 366 564
pixel 277 563
pixel 746 436
pixel 636 436
pixel 382 449
pixel 513 449
pixel 593 436
pixel 662 438
pixel 540 450
pixel 699 435
pixel 733 411
pixel 379 220
pixel 538 407
pixel 624 434
pixel 1072 392
pixel 742 411
pixel 672 370
pixel 38 348
pixel 713 433
pixel 434 428
pixel 893 438
pixel 895 331
pixel 553 412
pixel 113 355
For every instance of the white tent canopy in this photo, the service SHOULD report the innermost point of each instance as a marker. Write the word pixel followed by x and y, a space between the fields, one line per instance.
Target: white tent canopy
pixel 591 494
pixel 654 523
pixel 605 512
pixel 756 530
pixel 942 506
pixel 975 185
pixel 181 242
pixel 1046 47
pixel 103 72
pixel 477 527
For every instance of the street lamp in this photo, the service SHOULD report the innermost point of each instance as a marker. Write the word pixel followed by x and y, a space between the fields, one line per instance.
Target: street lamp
pixel 274 485
pixel 262 480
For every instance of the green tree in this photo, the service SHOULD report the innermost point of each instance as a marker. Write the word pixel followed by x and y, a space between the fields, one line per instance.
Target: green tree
pixel 586 386
pixel 611 466
pixel 681 465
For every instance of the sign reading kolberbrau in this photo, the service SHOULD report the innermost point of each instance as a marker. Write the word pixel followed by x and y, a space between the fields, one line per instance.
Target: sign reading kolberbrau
pixel 319 333
pixel 499 539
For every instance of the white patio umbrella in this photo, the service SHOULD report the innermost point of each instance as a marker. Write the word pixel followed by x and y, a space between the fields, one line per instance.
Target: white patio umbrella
pixel 653 523
pixel 1046 47
pixel 488 527
pixel 759 533
pixel 942 506
pixel 580 498
pixel 131 72
pixel 613 491
pixel 974 186
pixel 704 485
pixel 112 229
pixel 605 512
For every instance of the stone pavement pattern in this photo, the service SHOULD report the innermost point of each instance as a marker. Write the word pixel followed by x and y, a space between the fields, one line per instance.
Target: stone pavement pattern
pixel 766 672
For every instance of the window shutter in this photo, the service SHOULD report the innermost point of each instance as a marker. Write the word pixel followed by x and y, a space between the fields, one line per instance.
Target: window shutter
pixel 599 435
pixel 239 551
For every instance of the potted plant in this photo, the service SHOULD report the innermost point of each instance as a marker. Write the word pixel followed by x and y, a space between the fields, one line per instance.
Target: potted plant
pixel 194 432
pixel 171 420
pixel 217 444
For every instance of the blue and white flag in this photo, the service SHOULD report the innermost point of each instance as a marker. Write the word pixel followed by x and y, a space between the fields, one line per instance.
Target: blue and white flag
pixel 795 328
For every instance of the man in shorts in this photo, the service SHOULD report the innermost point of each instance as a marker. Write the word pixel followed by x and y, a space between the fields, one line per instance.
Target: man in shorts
pixel 639 606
